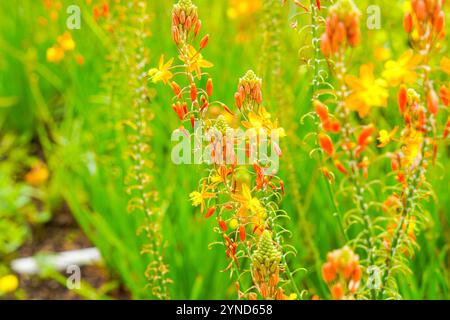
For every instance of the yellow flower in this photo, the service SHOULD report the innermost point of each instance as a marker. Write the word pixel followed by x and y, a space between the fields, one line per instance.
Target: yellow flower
pixel 162 73
pixel 402 70
pixel 445 65
pixel 234 223
pixel 66 42
pixel 8 283
pixel 55 54
pixel 198 198
pixel 249 202
pixel 194 60
pixel 258 121
pixel 367 92
pixel 244 8
pixel 385 137
pixel 38 175
pixel 412 147
pixel 382 53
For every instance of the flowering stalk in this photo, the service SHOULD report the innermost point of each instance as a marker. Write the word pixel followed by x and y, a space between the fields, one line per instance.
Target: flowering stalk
pixel 425 25
pixel 243 197
pixel 418 143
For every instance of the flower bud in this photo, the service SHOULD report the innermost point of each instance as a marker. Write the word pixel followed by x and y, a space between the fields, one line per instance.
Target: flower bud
pixel 432 102
pixel 407 23
pixel 204 41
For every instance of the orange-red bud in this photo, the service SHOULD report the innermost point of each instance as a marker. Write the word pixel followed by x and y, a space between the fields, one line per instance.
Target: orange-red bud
pixel 242 233
pixel 407 23
pixel 210 212
pixel 439 24
pixel 402 99
pixel 337 292
pixel 328 272
pixel 209 87
pixel 326 144
pixel 193 92
pixel 204 41
pixel 444 93
pixel 197 27
pixel 176 89
pixel 325 45
pixel 223 225
pixel 433 102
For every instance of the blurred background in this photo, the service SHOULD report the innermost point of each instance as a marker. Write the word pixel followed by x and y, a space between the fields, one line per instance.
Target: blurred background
pixel 63 149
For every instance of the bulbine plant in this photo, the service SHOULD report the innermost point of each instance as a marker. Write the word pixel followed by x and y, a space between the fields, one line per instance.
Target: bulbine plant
pixel 386 214
pixel 243 196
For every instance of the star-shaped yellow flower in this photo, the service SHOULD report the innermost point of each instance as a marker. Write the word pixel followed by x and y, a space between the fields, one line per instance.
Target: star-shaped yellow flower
pixel 249 203
pixel 402 70
pixel 162 73
pixel 366 91
pixel 198 198
pixel 194 60
pixel 385 137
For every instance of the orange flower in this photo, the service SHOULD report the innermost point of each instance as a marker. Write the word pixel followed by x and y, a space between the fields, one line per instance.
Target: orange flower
pixel 326 144
pixel 38 175
pixel 55 54
pixel 444 93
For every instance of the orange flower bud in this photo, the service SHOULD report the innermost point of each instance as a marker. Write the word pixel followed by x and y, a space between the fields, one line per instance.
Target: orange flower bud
pixel 321 110
pixel 175 21
pixel 337 292
pixel 238 100
pixel 421 10
pixel 331 126
pixel 223 225
pixel 242 233
pixel 192 121
pixel 439 23
pixel 328 272
pixel 210 212
pixel 252 296
pixel 407 23
pixel 258 96
pixel 280 294
pixel 326 144
pixel 176 35
pixel 204 41
pixel 447 129
pixel 188 23
pixel 357 273
pixel 176 89
pixel 402 98
pixel 325 45
pixel 394 164
pixel 433 102
pixel 365 134
pixel 263 290
pixel 193 92
pixel 340 32
pixel 348 270
pixel 209 87
pixel 340 167
pixel 197 27
pixel 444 93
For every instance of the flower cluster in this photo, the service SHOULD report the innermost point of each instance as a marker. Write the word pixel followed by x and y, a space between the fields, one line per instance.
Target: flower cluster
pixel 383 236
pixel 342 26
pixel 242 197
pixel 425 21
pixel 342 273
